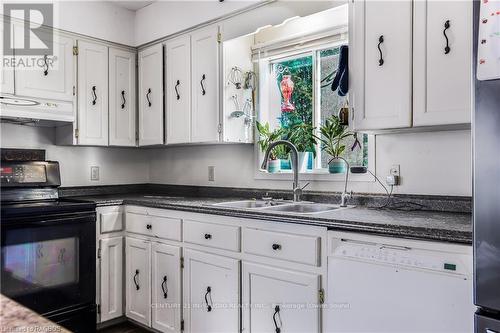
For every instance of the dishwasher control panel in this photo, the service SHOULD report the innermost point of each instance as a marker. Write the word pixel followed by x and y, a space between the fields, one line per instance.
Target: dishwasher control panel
pixel 400 256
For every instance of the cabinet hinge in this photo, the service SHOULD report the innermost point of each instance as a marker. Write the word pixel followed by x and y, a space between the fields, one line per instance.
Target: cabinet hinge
pixel 182 325
pixel 182 262
pixel 219 128
pixel 75 50
pixel 98 308
pixel 352 113
pixel 99 253
pixel 219 37
pixel 321 296
pixel 74 90
pixel 77 133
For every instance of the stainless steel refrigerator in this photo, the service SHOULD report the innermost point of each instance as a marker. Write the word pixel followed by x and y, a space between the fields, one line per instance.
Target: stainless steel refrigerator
pixel 486 192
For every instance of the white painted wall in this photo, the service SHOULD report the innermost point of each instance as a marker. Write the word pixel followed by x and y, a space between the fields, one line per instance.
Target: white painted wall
pixel 117 165
pixel 164 18
pixel 431 163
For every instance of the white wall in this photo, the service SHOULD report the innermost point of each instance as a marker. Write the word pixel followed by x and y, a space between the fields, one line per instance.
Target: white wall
pixel 117 165
pixel 164 18
pixel 431 163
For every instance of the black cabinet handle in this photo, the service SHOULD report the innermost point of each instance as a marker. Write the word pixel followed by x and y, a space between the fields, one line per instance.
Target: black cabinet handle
pixel 276 247
pixel 176 91
pixel 208 294
pixel 94 95
pixel 446 27
pixel 277 315
pixel 380 41
pixel 203 77
pixel 147 96
pixel 164 287
pixel 136 282
pixel 208 236
pixel 123 99
pixel 149 226
pixel 46 65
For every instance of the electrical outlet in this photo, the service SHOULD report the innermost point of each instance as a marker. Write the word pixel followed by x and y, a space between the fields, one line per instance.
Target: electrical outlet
pixel 395 170
pixel 94 173
pixel 211 173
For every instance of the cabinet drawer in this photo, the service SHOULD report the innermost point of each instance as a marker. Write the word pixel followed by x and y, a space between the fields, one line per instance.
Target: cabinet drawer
pixel 154 225
pixel 110 219
pixel 279 245
pixel 214 235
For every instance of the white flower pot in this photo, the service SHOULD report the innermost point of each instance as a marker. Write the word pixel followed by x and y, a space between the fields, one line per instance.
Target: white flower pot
pixel 303 160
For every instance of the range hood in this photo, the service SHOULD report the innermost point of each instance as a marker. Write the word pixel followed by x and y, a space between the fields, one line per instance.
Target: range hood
pixel 24 109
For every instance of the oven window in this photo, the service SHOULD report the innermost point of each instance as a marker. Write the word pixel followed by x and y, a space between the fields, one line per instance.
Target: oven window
pixel 40 265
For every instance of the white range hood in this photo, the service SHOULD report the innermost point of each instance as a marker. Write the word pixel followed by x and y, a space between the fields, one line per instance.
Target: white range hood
pixel 17 107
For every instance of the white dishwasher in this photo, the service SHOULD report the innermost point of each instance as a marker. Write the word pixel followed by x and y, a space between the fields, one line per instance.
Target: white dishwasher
pixel 381 284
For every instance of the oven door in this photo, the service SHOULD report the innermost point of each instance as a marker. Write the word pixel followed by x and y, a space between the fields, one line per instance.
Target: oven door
pixel 48 261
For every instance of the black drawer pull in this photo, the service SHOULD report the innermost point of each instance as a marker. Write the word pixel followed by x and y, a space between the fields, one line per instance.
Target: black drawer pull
pixel 177 91
pixel 446 27
pixel 203 91
pixel 136 282
pixel 164 287
pixel 277 315
pixel 380 41
pixel 208 236
pixel 276 247
pixel 123 99
pixel 147 97
pixel 46 65
pixel 149 226
pixel 94 95
pixel 208 294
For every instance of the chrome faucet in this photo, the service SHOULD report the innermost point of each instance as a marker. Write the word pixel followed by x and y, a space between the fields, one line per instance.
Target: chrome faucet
pixel 344 196
pixel 297 191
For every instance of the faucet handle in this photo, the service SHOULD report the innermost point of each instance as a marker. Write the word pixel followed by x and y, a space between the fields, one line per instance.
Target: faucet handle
pixel 306 185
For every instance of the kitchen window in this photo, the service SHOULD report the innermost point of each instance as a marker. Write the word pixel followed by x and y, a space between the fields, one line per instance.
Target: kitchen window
pixel 312 101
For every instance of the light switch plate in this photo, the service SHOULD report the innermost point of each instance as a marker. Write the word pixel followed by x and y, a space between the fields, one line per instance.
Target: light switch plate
pixel 94 173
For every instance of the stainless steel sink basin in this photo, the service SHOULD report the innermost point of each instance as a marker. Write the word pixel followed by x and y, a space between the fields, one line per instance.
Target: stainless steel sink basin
pixel 304 208
pixel 251 204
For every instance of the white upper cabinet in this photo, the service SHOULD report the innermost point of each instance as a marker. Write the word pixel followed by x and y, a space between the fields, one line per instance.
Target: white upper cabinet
pixel 268 293
pixel 178 90
pixel 166 287
pixel 151 96
pixel 442 62
pixel 211 289
pixel 111 278
pixel 205 85
pixel 380 64
pixel 122 103
pixel 7 72
pixel 55 79
pixel 92 94
pixel 138 280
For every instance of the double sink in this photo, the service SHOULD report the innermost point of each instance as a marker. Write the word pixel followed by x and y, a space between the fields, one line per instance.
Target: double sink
pixel 281 206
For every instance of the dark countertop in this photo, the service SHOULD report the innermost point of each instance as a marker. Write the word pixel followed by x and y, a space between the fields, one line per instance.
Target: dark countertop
pixel 426 225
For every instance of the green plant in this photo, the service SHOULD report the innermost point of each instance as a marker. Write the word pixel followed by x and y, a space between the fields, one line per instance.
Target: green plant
pixel 332 135
pixel 268 136
pixel 302 136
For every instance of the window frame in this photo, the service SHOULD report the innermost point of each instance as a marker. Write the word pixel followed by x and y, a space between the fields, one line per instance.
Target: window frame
pixel 317 173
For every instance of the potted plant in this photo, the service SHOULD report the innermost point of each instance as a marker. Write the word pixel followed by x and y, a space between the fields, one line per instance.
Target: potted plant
pixel 266 137
pixel 302 136
pixel 332 135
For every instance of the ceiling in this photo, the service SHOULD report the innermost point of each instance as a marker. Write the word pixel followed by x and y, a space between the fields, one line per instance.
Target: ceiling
pixel 132 5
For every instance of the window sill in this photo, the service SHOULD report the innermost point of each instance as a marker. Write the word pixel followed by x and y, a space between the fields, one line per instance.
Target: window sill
pixel 316 175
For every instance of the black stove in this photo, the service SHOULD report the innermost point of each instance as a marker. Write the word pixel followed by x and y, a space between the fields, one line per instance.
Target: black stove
pixel 48 245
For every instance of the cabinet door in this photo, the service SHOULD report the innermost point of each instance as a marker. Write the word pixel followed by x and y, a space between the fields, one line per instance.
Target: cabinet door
pixel 442 77
pixel 278 298
pixel 205 85
pixel 55 78
pixel 7 72
pixel 210 293
pixel 92 94
pixel 166 287
pixel 381 67
pixel 151 96
pixel 178 90
pixel 121 98
pixel 138 280
pixel 111 283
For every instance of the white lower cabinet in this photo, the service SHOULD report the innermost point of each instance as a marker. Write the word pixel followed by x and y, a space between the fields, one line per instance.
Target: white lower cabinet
pixel 166 287
pixel 211 292
pixel 111 278
pixel 276 299
pixel 138 280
